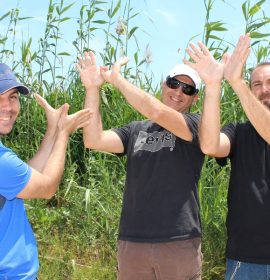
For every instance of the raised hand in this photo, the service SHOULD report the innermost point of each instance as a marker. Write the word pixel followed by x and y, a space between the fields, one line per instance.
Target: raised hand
pixel 89 71
pixel 111 76
pixel 52 115
pixel 234 64
pixel 69 123
pixel 204 63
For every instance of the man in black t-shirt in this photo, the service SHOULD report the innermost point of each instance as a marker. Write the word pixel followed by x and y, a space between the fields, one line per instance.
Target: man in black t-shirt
pixel 247 147
pixel 160 227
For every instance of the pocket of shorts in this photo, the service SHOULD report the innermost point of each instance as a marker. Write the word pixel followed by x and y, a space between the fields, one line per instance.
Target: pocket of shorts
pixel 236 269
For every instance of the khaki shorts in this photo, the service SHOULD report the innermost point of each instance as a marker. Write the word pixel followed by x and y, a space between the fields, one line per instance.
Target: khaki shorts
pixel 177 260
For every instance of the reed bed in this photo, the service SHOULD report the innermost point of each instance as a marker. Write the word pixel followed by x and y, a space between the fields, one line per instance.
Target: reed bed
pixel 77 229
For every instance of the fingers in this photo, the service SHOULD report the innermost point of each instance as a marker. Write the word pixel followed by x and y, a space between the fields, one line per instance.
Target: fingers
pixel 92 57
pixel 78 120
pixel 189 63
pixel 204 49
pixel 42 101
pixel 87 59
pixel 123 60
pixel 82 118
pixel 242 49
pixel 119 63
pixel 81 114
pixel 65 108
pixel 225 58
pixel 198 53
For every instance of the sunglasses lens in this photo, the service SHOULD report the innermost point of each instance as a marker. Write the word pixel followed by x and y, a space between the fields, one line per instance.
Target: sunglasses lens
pixel 174 84
pixel 188 90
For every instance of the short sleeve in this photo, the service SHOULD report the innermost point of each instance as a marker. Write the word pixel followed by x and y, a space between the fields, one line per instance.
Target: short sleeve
pixel 14 174
pixel 124 134
pixel 193 121
pixel 229 131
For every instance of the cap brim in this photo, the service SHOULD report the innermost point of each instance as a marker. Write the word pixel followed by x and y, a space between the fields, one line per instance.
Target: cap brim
pixel 10 85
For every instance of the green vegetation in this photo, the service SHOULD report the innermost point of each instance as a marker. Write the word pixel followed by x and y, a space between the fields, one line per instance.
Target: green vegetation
pixel 77 229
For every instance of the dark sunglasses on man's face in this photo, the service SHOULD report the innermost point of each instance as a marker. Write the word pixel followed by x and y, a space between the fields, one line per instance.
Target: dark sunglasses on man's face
pixel 186 88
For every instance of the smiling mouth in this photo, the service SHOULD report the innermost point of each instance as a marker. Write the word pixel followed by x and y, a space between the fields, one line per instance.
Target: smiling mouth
pixel 175 99
pixel 5 118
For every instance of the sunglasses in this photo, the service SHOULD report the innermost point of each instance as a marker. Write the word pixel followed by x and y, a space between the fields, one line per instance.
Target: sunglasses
pixel 186 88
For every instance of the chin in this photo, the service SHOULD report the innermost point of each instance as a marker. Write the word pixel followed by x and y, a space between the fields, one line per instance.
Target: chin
pixel 267 104
pixel 5 131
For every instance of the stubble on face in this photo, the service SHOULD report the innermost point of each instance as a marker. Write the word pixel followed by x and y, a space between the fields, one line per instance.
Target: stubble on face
pixel 9 110
pixel 260 84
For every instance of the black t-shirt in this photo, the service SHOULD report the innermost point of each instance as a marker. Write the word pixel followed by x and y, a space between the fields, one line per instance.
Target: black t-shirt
pixel 161 200
pixel 248 220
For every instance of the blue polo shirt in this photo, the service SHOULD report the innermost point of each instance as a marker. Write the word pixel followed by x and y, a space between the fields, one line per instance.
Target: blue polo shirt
pixel 18 250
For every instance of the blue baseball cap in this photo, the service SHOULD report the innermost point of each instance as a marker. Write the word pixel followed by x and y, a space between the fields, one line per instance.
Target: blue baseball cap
pixel 8 81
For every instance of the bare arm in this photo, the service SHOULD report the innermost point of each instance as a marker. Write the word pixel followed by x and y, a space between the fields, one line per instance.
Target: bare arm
pixel 146 104
pixel 257 113
pixel 94 136
pixel 44 184
pixel 212 142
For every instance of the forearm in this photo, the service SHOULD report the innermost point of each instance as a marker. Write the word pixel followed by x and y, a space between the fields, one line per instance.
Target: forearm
pixel 257 113
pixel 140 100
pixel 40 158
pixel 209 131
pixel 154 109
pixel 54 166
pixel 92 133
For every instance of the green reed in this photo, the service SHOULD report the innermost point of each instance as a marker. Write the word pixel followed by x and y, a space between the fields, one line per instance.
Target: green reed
pixel 81 220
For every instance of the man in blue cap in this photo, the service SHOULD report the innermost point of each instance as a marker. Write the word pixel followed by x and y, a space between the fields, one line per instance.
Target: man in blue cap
pixel 39 178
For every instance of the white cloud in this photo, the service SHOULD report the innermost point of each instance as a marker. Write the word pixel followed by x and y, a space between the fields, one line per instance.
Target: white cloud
pixel 168 17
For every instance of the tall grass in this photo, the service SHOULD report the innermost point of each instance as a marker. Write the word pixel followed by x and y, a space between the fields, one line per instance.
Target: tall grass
pixel 77 229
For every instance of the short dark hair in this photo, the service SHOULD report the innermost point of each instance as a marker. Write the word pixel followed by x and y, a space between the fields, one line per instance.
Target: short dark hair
pixel 264 63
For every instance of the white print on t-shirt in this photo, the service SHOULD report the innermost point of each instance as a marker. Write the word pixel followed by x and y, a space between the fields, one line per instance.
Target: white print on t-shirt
pixel 154 141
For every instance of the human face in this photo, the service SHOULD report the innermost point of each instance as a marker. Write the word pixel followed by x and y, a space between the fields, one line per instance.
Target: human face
pixel 9 110
pixel 175 98
pixel 260 84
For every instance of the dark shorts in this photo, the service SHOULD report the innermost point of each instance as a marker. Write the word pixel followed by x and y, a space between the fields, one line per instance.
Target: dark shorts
pixel 177 260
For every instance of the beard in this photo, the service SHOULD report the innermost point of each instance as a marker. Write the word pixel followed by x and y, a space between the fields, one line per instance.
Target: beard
pixel 265 99
pixel 266 103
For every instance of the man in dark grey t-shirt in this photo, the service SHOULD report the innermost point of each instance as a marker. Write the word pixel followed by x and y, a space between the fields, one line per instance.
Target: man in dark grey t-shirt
pixel 160 227
pixel 247 145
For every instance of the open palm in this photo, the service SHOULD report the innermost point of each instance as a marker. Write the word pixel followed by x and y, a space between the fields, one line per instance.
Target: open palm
pixel 208 68
pixel 89 71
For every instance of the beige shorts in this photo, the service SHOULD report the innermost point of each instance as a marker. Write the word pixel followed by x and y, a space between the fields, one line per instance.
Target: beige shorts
pixel 177 260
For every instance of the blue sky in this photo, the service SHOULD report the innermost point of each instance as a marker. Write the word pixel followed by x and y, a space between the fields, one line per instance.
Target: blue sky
pixel 166 26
